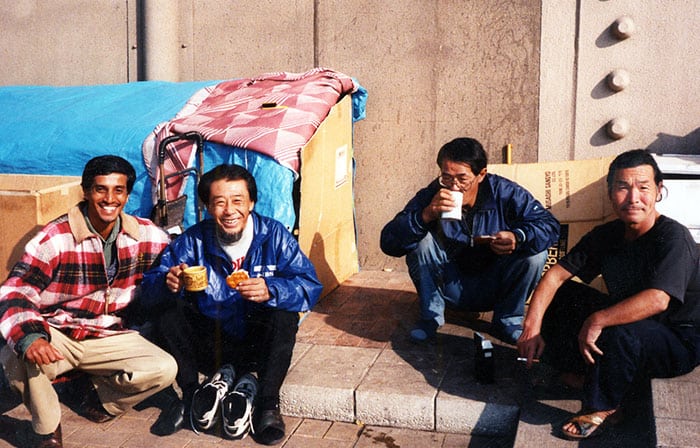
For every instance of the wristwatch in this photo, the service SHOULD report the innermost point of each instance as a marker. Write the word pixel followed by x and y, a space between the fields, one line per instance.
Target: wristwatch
pixel 519 236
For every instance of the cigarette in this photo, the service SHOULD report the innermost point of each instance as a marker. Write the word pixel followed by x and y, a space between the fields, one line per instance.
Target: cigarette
pixel 525 360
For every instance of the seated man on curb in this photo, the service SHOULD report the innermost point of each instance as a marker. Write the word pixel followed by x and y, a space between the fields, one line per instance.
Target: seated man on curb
pixel 61 308
pixel 647 326
pixel 232 327
pixel 491 259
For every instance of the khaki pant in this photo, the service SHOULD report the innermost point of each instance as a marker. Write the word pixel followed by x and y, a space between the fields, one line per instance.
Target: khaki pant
pixel 125 369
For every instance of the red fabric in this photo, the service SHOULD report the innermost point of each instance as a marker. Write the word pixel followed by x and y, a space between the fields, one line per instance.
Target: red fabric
pixel 233 114
pixel 61 279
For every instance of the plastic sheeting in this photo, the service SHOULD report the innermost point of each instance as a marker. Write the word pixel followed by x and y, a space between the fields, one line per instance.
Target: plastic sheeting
pixel 56 130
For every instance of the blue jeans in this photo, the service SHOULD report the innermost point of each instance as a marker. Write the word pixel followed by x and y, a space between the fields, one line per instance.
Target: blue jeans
pixel 503 288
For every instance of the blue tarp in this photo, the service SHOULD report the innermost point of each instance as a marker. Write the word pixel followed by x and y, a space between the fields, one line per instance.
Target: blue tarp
pixel 56 130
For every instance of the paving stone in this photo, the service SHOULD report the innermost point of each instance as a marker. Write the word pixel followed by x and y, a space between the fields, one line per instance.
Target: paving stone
pixel 466 406
pixel 537 421
pixel 676 404
pixel 308 442
pixel 344 431
pixel 677 433
pixel 313 428
pixel 399 391
pixel 322 383
pixel 373 437
pixel 677 398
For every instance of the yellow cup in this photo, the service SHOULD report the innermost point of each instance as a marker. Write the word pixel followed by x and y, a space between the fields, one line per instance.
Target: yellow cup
pixel 195 278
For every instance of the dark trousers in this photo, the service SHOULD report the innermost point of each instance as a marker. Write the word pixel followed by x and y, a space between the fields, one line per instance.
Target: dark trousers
pixel 198 344
pixel 632 353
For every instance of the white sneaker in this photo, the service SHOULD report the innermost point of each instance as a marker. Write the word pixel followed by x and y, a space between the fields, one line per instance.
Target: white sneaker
pixel 207 398
pixel 237 407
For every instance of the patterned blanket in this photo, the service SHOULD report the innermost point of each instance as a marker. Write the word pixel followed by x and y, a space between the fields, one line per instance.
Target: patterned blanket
pixel 275 114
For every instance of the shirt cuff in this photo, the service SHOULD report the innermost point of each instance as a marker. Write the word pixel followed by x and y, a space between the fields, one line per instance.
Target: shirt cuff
pixel 520 236
pixel 26 341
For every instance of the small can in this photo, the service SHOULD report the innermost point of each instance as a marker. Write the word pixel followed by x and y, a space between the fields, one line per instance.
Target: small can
pixel 483 359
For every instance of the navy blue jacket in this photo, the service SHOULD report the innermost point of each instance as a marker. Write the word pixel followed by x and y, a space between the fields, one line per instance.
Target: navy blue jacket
pixel 501 204
pixel 274 254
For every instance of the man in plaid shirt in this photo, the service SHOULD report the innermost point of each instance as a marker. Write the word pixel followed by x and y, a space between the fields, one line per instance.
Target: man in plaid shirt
pixel 62 307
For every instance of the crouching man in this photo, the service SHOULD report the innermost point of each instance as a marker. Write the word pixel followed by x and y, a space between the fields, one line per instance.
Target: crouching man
pixel 647 326
pixel 62 306
pixel 243 319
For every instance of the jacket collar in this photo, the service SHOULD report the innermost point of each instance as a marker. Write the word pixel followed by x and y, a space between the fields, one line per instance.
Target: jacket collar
pixel 80 231
pixel 485 196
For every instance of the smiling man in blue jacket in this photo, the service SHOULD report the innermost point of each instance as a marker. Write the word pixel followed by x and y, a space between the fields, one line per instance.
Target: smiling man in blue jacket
pixel 490 260
pixel 227 331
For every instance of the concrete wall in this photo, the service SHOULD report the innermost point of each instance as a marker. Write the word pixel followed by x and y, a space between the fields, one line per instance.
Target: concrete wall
pixel 660 57
pixel 525 72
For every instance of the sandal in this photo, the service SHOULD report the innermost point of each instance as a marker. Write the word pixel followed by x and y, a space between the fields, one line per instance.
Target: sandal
pixel 588 425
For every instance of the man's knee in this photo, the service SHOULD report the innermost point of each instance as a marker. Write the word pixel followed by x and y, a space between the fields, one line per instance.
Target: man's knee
pixel 534 264
pixel 168 369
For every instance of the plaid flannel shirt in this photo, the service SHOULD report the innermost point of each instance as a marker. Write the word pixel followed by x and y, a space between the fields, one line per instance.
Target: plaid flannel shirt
pixel 61 279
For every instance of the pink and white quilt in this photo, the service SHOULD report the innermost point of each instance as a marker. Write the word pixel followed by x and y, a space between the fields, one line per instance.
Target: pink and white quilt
pixel 275 114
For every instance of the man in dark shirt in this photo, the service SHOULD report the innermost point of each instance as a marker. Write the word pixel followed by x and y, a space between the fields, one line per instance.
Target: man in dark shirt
pixel 647 326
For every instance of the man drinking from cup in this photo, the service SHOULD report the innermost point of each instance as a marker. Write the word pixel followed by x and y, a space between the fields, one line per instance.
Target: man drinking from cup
pixel 489 260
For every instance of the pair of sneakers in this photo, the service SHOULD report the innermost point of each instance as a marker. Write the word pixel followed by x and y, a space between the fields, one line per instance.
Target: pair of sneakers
pixel 225 399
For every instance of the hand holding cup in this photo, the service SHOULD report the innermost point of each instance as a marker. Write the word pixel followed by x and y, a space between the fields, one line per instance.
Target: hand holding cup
pixel 456 212
pixel 195 278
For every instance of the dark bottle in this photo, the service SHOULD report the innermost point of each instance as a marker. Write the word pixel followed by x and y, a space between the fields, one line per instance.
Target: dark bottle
pixel 483 359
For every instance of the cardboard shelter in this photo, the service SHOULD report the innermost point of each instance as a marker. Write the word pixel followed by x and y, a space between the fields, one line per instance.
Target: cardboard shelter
pixel 326 229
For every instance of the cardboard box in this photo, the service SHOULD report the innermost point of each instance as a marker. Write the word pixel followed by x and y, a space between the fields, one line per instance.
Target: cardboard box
pixel 27 203
pixel 326 230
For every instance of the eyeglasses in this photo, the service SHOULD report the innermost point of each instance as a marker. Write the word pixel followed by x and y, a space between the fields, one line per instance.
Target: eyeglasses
pixel 462 182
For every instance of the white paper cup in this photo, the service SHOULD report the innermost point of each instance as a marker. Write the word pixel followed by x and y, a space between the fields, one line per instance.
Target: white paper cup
pixel 456 212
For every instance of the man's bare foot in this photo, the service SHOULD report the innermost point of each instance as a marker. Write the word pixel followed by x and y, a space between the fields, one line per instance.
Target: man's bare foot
pixel 583 426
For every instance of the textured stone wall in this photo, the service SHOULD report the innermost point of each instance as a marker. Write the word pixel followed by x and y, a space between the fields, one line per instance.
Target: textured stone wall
pixel 526 72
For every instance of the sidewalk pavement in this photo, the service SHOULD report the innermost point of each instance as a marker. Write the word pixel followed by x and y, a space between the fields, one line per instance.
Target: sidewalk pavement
pixel 357 381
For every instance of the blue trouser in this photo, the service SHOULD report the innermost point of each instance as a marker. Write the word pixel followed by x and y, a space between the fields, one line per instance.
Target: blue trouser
pixel 633 352
pixel 503 288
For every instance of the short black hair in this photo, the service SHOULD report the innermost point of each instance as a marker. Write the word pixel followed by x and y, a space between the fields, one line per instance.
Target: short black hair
pixel 632 159
pixel 228 172
pixel 105 165
pixel 465 150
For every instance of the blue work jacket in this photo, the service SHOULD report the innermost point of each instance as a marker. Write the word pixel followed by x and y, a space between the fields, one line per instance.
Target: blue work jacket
pixel 274 254
pixel 501 204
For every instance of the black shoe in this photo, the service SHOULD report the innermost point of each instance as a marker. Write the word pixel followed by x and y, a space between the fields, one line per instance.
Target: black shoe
pixel 91 407
pixel 205 410
pixel 53 440
pixel 170 420
pixel 270 428
pixel 237 407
